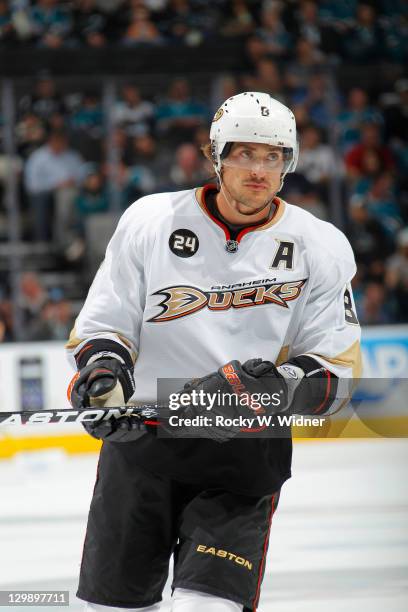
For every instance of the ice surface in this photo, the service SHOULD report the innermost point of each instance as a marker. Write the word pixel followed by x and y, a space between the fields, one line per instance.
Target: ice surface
pixel 339 540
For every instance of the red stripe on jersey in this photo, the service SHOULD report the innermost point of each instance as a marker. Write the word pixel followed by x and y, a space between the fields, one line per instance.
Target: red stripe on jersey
pixel 265 548
pixel 251 228
pixel 246 230
pixel 220 224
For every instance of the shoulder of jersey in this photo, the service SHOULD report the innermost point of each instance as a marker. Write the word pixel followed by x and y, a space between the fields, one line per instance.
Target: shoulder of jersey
pixel 161 205
pixel 322 236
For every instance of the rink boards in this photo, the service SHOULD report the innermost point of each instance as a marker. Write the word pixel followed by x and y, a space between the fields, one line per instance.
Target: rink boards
pixel 36 375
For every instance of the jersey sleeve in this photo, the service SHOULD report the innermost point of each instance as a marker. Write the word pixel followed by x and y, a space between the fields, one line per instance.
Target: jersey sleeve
pixel 328 329
pixel 112 313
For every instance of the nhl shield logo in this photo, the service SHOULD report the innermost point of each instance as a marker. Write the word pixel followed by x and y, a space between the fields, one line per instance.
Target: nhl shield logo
pixel 231 246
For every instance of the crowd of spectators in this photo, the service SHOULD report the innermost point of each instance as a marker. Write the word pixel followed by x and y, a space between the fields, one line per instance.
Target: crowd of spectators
pixel 359 31
pixel 353 139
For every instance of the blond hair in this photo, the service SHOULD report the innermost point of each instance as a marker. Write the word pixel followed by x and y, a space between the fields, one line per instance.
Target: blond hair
pixel 206 151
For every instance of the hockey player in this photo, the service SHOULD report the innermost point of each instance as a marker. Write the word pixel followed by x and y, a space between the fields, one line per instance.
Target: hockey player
pixel 232 287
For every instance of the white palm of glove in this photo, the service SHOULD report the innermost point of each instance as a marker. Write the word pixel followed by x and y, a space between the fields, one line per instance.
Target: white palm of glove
pixel 110 399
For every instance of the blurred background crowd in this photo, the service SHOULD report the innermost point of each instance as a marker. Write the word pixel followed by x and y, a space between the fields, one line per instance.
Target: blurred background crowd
pixel 359 31
pixel 83 150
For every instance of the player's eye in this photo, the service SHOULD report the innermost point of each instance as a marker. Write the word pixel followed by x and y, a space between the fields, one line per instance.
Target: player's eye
pixel 246 154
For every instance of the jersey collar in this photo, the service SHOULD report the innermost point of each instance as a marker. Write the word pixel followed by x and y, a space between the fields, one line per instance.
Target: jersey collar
pixel 277 215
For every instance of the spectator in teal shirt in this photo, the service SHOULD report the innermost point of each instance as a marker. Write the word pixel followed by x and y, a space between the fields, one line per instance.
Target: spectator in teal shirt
pixel 51 23
pixel 338 12
pixel 92 197
pixel 89 113
pixel 357 112
pixel 179 114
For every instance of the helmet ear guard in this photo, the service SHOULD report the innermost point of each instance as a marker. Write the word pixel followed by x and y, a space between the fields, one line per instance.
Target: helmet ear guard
pixel 214 153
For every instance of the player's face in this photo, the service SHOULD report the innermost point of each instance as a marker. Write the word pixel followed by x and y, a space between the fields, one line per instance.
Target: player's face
pixel 252 176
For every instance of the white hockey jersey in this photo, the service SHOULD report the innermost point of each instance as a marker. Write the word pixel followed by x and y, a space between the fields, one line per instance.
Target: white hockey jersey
pixel 183 305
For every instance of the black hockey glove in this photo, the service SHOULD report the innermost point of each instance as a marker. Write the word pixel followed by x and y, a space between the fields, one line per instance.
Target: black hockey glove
pixel 104 383
pixel 238 383
pixel 99 381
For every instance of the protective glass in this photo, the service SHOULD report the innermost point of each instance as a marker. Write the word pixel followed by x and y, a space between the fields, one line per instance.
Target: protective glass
pixel 246 159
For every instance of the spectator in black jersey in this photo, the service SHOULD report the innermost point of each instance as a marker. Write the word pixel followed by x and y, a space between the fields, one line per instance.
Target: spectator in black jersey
pixel 45 100
pixel 240 22
pixel 145 152
pixel 90 24
pixel 367 236
pixel 132 112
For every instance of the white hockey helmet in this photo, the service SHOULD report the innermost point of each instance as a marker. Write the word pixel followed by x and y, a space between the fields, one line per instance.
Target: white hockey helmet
pixel 254 117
